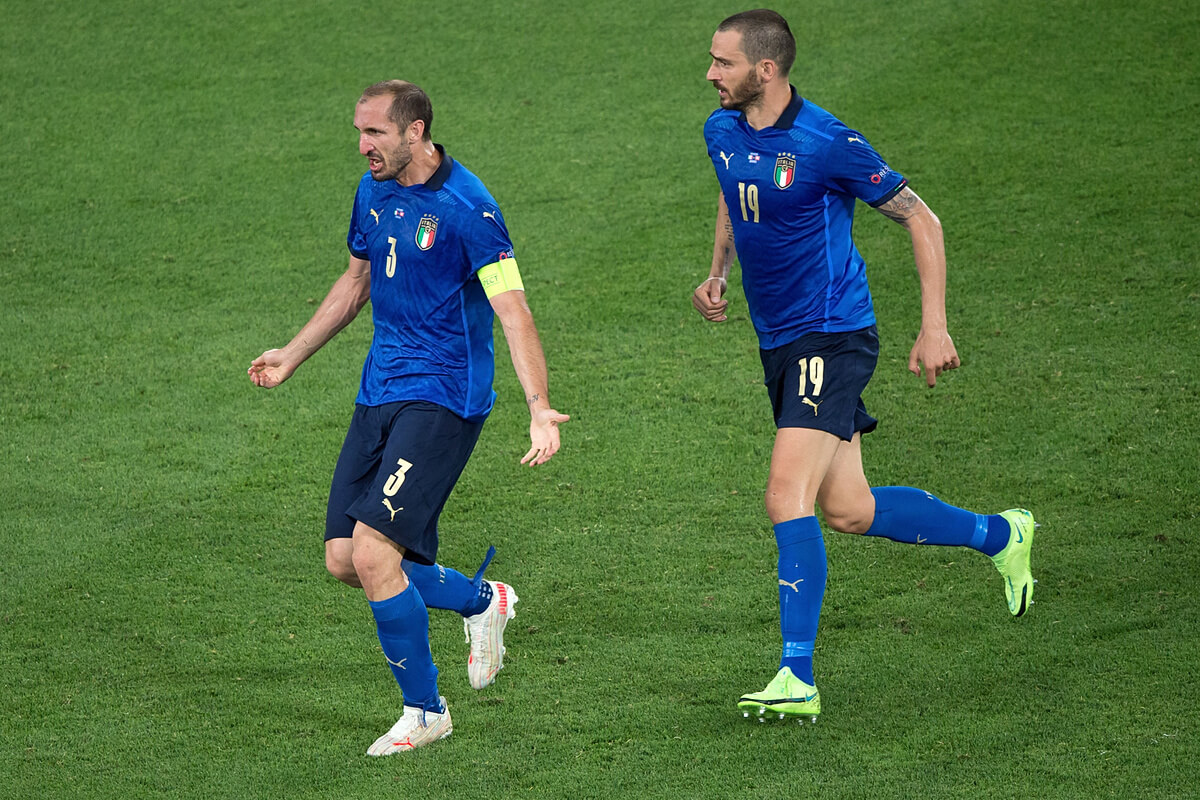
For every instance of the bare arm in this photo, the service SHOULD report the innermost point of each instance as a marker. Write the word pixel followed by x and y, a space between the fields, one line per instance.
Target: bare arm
pixel 934 349
pixel 341 305
pixel 708 296
pixel 529 362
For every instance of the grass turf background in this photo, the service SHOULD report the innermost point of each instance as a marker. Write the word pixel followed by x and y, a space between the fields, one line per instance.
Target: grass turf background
pixel 177 180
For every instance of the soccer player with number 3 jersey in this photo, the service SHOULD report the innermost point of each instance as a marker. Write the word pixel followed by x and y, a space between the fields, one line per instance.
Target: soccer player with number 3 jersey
pixel 430 249
pixel 790 174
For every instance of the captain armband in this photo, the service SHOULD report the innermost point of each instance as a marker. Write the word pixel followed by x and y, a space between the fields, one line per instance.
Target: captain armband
pixel 499 277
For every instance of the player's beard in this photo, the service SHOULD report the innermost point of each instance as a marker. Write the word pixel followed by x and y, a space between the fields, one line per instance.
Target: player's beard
pixel 393 163
pixel 746 94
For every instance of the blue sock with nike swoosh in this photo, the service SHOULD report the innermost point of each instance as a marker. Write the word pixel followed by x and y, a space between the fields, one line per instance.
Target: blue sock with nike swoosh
pixel 403 626
pixel 802 572
pixel 914 516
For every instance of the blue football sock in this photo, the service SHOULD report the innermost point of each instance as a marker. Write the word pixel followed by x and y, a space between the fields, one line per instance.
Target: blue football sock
pixel 403 626
pixel 802 572
pixel 998 531
pixel 449 589
pixel 913 516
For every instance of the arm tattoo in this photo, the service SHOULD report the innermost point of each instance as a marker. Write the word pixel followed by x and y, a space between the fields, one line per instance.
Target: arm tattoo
pixel 901 207
pixel 533 399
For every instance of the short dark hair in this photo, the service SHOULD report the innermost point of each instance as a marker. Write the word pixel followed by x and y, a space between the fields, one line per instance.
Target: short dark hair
pixel 409 103
pixel 765 34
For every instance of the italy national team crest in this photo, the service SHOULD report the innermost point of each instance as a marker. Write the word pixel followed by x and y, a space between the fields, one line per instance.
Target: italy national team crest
pixel 426 230
pixel 785 170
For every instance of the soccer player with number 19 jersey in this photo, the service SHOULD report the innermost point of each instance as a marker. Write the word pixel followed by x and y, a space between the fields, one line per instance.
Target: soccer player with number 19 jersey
pixel 430 249
pixel 790 174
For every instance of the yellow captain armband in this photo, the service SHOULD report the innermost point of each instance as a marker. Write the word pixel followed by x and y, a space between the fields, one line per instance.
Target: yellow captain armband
pixel 499 277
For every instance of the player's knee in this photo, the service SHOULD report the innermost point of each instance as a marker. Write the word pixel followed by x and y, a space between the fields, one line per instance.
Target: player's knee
pixel 378 566
pixel 364 564
pixel 772 502
pixel 342 568
pixel 783 504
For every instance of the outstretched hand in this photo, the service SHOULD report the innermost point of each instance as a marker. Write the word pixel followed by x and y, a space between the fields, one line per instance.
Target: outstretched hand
pixel 936 353
pixel 543 436
pixel 269 370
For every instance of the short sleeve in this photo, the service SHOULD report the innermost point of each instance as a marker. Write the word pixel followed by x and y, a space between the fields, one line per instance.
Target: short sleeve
pixel 717 123
pixel 355 241
pixel 854 167
pixel 487 240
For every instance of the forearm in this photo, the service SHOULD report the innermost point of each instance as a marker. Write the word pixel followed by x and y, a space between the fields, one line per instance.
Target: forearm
pixel 929 254
pixel 341 305
pixel 723 246
pixel 528 359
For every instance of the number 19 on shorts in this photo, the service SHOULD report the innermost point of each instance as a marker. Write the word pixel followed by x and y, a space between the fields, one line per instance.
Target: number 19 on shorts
pixel 811 370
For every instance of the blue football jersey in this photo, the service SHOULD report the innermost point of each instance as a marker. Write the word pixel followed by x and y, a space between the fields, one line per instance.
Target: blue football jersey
pixel 791 189
pixel 433 321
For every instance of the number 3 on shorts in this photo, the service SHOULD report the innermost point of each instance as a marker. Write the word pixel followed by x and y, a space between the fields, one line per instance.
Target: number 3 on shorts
pixel 812 369
pixel 396 479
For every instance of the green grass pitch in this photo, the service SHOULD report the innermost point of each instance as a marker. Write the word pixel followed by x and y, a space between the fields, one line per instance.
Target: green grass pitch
pixel 176 188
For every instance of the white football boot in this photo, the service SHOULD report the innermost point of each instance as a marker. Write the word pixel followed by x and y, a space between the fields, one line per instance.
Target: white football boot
pixel 415 729
pixel 485 632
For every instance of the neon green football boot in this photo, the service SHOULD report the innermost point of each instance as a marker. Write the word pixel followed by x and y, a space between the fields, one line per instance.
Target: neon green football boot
pixel 785 696
pixel 1013 561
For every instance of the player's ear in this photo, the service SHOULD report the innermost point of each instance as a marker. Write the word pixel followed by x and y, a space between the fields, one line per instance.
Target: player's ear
pixel 415 130
pixel 767 70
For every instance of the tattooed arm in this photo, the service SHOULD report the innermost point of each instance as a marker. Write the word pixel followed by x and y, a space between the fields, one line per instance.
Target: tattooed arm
pixel 934 349
pixel 707 298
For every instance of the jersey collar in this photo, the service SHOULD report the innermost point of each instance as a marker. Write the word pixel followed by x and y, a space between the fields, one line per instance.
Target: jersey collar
pixel 440 175
pixel 791 112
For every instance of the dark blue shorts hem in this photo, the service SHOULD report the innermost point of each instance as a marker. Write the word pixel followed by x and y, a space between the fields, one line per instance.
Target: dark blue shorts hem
pixel 817 381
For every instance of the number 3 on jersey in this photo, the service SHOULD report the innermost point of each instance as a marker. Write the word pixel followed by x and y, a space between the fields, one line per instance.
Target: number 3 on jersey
pixel 390 269
pixel 748 196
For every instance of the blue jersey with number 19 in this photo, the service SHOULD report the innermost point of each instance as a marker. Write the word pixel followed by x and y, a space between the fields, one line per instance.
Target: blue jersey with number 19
pixel 433 321
pixel 791 189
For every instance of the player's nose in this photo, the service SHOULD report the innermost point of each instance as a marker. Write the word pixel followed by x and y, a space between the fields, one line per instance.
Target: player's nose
pixel 364 146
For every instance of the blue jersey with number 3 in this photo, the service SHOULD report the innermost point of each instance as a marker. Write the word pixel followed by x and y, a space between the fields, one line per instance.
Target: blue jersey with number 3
pixel 433 321
pixel 790 189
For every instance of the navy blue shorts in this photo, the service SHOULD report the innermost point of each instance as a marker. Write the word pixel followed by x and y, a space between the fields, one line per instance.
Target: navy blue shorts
pixel 817 381
pixel 398 465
